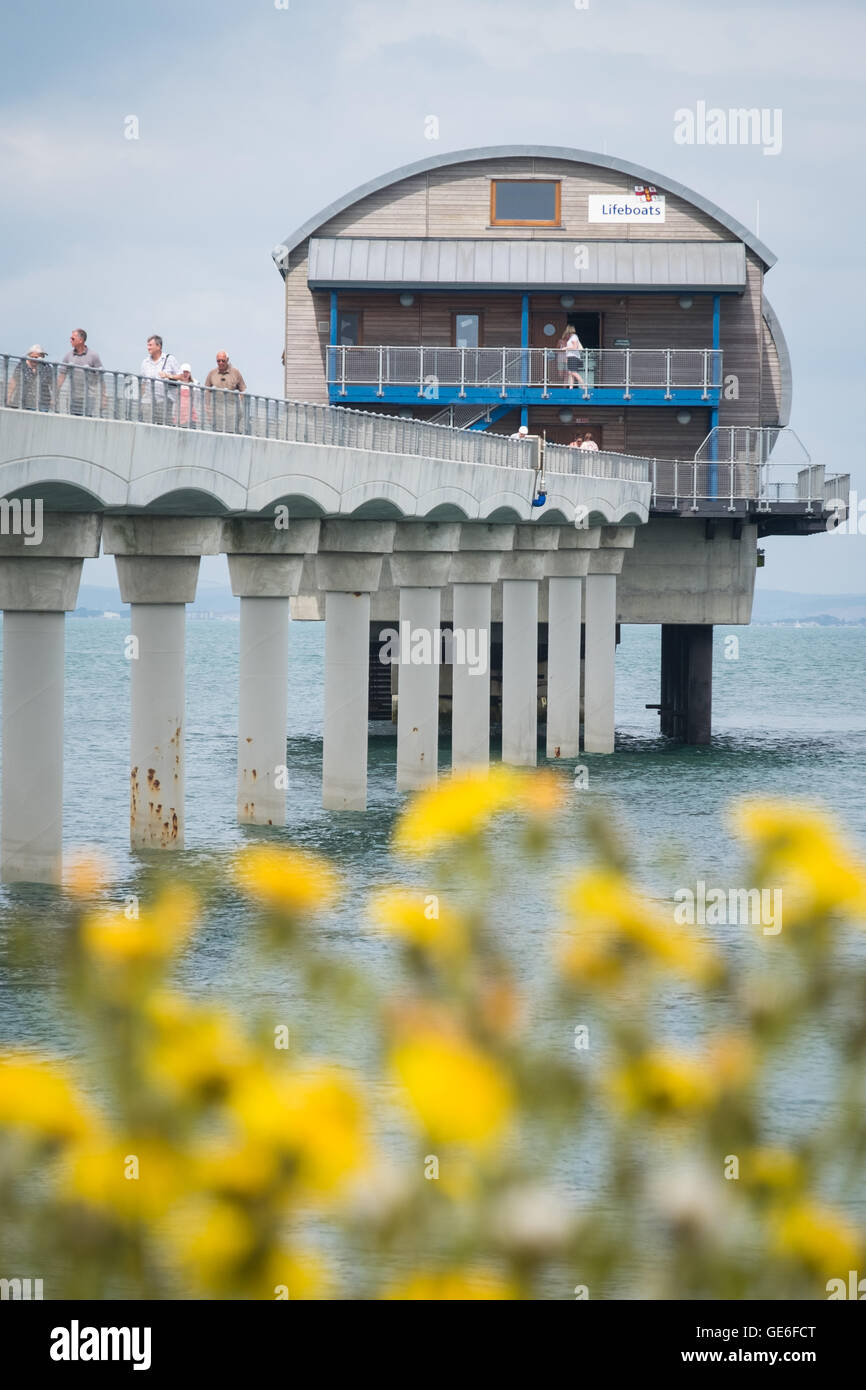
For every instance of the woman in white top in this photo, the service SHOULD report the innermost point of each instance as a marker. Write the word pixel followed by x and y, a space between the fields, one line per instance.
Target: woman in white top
pixel 573 360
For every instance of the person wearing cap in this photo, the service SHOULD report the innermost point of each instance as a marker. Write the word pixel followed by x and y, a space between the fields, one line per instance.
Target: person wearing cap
pixel 521 433
pixel 31 382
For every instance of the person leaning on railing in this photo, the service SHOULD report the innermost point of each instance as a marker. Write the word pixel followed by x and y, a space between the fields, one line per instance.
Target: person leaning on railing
pixel 30 386
pixel 225 377
pixel 81 381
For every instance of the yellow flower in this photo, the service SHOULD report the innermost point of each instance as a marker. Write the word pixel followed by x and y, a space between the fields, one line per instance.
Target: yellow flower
pixel 668 1083
pixel 619 928
pixel 85 873
pixel 243 1170
pixel 456 808
pixel 816 872
pixel 772 1170
pixel 195 1051
pixel 453 1286
pixel 40 1098
pixel 418 921
pixel 210 1240
pixel 290 1273
pixel 313 1118
pixel 817 1237
pixel 458 1094
pixel 288 881
pixel 160 932
pixel 134 1179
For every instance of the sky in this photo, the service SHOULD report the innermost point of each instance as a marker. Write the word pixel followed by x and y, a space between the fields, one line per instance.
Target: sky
pixel 252 116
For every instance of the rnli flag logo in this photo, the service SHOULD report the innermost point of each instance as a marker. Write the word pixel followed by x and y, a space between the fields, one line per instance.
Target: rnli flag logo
pixel 645 191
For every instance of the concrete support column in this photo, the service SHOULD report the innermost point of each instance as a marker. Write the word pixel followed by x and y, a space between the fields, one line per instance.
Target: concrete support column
pixel 564 600
pixel 687 682
pixel 348 568
pixel 600 652
pixel 419 566
pixel 521 572
pixel 470 698
pixel 35 594
pixel 265 567
pixel 157 562
pixel 520 672
pixel 474 569
pixel 33 651
pixel 600 638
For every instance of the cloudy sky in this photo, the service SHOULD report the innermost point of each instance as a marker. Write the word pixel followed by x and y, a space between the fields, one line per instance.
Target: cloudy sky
pixel 252 115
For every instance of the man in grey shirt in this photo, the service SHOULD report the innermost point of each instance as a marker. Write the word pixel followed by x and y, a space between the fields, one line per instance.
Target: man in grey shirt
pixel 83 385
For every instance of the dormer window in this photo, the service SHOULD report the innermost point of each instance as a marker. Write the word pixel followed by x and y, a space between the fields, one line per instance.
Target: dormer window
pixel 525 202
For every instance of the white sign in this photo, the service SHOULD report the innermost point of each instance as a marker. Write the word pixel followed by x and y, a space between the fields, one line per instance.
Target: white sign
pixel 626 207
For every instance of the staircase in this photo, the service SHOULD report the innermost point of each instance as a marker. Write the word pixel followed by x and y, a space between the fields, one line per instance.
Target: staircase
pixel 469 417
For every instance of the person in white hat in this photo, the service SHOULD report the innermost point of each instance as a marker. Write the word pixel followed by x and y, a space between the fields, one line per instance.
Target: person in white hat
pixel 187 414
pixel 30 386
pixel 521 433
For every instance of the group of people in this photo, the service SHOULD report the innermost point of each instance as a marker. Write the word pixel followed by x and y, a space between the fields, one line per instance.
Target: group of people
pixel 33 382
pixel 581 441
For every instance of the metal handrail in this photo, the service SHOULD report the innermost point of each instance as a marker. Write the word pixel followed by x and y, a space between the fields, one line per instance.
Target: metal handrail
pixel 91 393
pixel 629 369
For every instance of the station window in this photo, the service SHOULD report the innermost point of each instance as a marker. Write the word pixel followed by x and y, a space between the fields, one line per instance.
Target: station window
pixel 349 328
pixel 525 202
pixel 467 330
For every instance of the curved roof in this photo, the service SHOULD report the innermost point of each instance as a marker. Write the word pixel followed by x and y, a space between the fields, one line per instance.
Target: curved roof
pixel 601 161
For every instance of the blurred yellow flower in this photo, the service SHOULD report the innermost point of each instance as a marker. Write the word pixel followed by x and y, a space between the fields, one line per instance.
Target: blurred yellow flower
pixel 665 1083
pixel 771 1170
pixel 457 807
pixel 158 933
pixel 289 1273
pixel 421 920
pixel 801 849
pixel 453 1286
pixel 618 928
pixel 134 1179
pixel 194 1051
pixel 237 1170
pixel 818 1237
pixel 85 873
pixel 288 881
pixel 315 1118
pixel 40 1098
pixel 458 1094
pixel 210 1241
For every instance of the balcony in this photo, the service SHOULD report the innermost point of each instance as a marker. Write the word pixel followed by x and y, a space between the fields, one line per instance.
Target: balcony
pixel 523 376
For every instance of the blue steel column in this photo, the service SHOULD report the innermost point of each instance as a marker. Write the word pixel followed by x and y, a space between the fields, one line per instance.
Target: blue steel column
pixel 524 358
pixel 332 364
pixel 713 488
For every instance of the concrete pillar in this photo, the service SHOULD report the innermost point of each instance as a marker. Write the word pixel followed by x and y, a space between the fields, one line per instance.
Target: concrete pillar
pixel 521 572
pixel 564 600
pixel 348 568
pixel 35 594
pixel 419 567
pixel 418 689
pixel 566 568
pixel 474 569
pixel 600 652
pixel 157 562
pixel 687 682
pixel 520 672
pixel 265 567
pixel 600 638
pixel 470 698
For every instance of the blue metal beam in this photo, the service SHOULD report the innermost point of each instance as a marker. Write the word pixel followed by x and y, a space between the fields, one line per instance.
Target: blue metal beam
pixel 713 478
pixel 519 395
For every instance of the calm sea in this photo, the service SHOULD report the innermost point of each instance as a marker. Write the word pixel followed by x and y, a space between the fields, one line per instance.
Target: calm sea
pixel 789 721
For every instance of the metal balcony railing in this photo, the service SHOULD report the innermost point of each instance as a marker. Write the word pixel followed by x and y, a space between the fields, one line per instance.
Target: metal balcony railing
pixel 629 371
pixel 51 388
